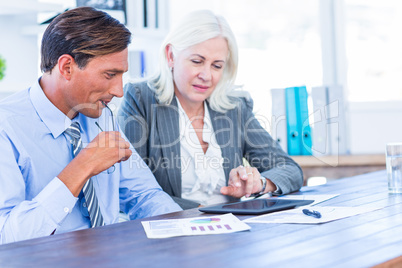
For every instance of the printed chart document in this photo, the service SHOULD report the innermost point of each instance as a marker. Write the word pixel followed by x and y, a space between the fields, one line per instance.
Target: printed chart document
pixel 318 198
pixel 227 223
pixel 297 216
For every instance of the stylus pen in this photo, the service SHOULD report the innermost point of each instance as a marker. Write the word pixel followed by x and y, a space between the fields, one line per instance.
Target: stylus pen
pixel 261 194
pixel 313 213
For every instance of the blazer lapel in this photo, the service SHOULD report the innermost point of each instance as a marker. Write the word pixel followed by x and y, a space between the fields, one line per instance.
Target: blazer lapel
pixel 168 127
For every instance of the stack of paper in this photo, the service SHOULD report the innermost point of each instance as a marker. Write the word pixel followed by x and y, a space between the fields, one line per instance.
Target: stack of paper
pixel 297 216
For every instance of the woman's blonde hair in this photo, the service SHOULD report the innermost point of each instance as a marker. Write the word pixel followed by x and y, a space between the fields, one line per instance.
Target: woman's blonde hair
pixel 195 28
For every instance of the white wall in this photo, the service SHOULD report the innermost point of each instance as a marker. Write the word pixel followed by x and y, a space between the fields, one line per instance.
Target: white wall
pixel 372 125
pixel 20 52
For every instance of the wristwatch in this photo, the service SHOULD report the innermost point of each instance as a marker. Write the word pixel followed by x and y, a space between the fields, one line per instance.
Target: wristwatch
pixel 264 185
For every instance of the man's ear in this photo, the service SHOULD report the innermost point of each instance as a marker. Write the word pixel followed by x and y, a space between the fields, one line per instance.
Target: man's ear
pixel 65 65
pixel 169 55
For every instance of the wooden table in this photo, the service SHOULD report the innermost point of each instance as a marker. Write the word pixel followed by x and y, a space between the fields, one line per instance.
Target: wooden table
pixel 360 241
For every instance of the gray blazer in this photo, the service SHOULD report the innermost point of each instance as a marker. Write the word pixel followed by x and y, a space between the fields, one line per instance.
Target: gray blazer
pixel 153 129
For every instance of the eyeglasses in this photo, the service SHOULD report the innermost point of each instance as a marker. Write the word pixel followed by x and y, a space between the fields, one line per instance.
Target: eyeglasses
pixel 111 114
pixel 112 168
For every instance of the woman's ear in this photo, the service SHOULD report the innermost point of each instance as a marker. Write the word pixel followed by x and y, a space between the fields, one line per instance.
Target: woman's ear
pixel 169 55
pixel 65 64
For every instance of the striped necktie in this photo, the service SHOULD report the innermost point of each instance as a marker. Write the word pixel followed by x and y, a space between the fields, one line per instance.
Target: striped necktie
pixel 89 191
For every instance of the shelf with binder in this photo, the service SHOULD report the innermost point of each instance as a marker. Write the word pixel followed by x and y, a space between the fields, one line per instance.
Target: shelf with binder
pixel 279 129
pixel 329 132
pixel 291 127
pixel 318 131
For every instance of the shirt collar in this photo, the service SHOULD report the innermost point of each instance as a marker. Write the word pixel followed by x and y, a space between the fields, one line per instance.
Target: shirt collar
pixel 54 119
pixel 182 113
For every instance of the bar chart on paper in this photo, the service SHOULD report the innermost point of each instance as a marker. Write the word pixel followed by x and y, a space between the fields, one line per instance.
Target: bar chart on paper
pixel 209 224
pixel 227 223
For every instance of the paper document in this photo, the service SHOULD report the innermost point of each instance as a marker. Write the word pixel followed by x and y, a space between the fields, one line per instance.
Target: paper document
pixel 227 223
pixel 297 216
pixel 318 198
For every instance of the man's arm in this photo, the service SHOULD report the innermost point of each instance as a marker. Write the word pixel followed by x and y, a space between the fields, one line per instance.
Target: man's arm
pixel 20 218
pixel 23 219
pixel 140 194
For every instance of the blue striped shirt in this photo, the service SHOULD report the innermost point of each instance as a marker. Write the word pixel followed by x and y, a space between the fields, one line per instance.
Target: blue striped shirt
pixel 34 150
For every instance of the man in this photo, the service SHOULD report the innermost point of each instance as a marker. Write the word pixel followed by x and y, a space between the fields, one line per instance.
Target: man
pixel 59 171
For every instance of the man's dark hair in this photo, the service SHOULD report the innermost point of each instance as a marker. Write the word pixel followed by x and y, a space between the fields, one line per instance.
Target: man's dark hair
pixel 83 33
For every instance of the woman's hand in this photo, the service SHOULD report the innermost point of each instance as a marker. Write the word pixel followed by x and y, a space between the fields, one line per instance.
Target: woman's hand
pixel 244 181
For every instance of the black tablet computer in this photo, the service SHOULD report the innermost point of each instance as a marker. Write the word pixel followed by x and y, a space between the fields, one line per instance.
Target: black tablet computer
pixel 256 206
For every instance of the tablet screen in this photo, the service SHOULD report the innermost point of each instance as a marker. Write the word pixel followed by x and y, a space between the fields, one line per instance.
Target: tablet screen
pixel 252 204
pixel 256 206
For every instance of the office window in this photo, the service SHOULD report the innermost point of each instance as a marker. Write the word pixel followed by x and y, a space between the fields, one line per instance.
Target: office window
pixel 279 43
pixel 373 39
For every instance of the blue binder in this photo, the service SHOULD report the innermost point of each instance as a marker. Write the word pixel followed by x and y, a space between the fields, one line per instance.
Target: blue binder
pixel 304 125
pixel 299 131
pixel 292 121
pixel 137 64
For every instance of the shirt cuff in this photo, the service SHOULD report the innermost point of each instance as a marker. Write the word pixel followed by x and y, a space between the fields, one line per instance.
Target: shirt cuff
pixel 277 191
pixel 57 200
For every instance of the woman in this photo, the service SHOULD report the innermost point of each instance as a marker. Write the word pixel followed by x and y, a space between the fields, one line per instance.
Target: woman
pixel 192 129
